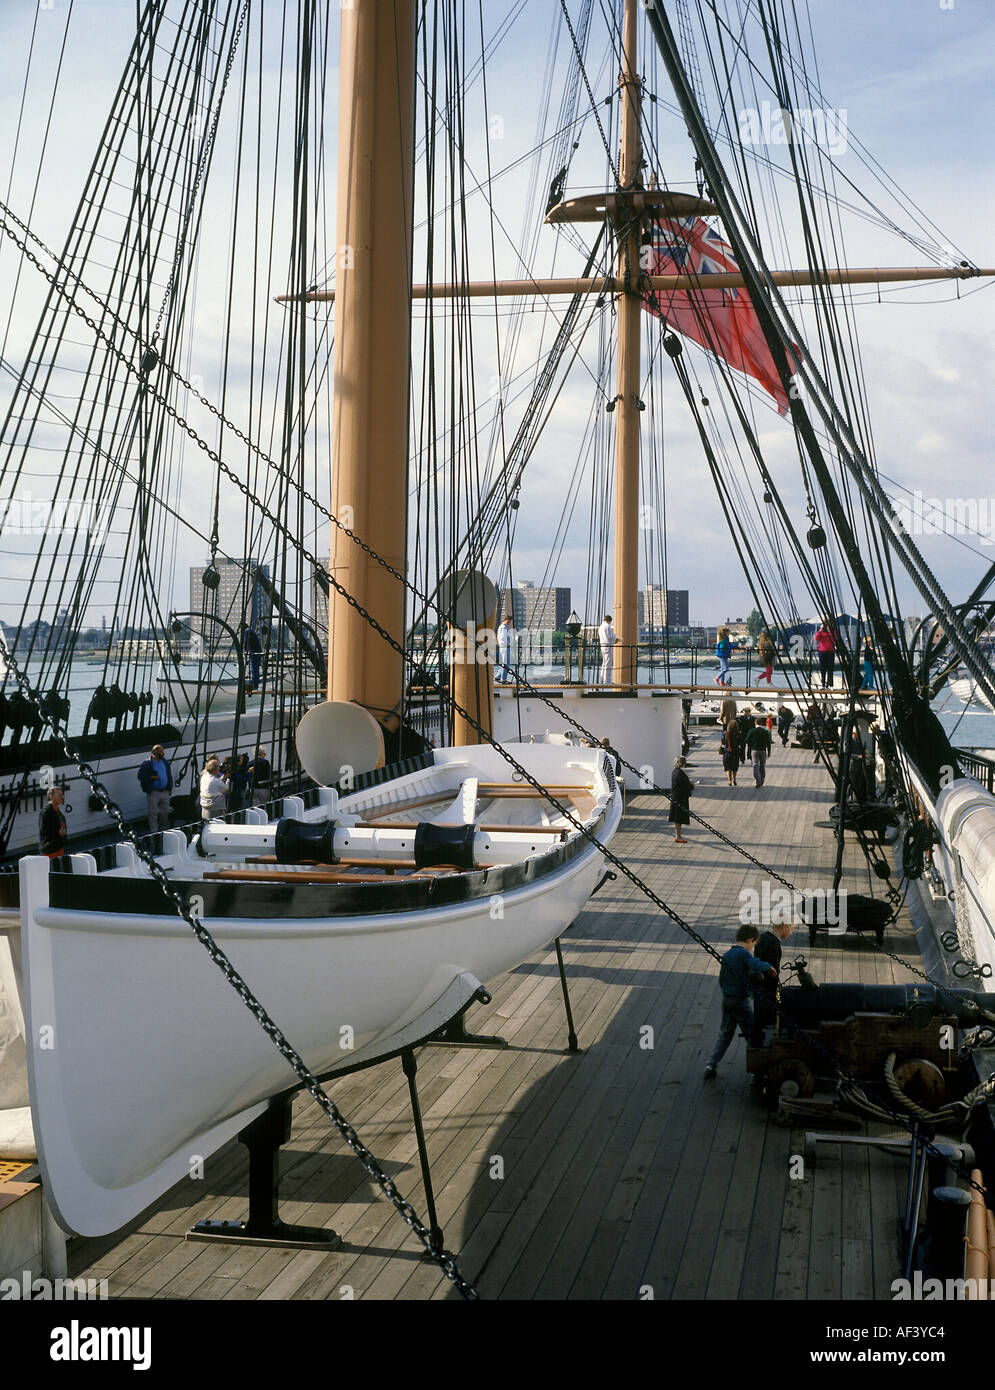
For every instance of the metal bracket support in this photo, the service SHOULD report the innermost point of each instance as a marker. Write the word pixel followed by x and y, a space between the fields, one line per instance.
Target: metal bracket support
pixel 263 1138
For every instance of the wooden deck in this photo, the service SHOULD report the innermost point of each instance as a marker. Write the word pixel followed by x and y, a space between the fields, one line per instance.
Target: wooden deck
pixel 617 1173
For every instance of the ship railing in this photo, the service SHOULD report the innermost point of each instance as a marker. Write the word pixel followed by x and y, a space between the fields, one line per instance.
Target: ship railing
pixel 982 769
pixel 655 661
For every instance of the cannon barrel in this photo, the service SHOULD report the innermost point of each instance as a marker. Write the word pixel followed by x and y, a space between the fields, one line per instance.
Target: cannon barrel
pixel 810 1007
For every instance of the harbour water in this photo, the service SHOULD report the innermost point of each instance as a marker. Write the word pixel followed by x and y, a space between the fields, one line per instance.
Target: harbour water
pixel 87 675
pixel 968 726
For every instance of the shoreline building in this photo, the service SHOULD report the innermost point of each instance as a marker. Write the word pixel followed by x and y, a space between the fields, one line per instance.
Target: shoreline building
pixel 535 608
pixel 239 597
pixel 660 608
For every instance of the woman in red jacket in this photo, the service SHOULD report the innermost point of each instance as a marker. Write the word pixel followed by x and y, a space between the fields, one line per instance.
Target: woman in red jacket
pixel 766 651
pixel 826 643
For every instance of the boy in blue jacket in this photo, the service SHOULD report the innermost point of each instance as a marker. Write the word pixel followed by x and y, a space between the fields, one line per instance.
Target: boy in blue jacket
pixel 738 974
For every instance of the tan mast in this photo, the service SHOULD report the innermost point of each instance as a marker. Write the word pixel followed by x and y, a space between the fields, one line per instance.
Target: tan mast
pixel 630 311
pixel 372 345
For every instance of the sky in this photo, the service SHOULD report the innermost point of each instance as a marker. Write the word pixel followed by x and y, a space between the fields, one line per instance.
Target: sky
pixel 910 79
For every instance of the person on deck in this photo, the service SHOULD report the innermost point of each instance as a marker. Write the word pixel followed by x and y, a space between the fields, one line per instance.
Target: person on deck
pixel 155 778
pixel 766 651
pixel 239 795
pixel 253 649
pixel 681 788
pixel 228 777
pixel 728 710
pixel 758 745
pixel 213 791
pixel 607 636
pixel 506 648
pixel 826 644
pixel 737 975
pixel 613 754
pixel 52 826
pixel 723 650
pixel 768 950
pixel 860 788
pixel 785 719
pixel 261 778
pixel 731 749
pixel 746 720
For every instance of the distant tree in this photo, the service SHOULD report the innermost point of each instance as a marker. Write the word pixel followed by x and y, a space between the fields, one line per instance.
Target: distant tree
pixel 754 624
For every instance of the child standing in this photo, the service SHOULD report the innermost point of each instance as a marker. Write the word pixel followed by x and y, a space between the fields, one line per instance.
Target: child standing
pixel 737 975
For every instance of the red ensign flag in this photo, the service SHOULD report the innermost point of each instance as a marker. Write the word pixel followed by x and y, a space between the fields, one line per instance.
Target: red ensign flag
pixel 721 320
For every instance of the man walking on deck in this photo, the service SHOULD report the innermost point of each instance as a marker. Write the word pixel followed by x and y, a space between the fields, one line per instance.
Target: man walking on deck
pixel 506 648
pixel 737 976
pixel 758 747
pixel 785 719
pixel 607 636
pixel 156 780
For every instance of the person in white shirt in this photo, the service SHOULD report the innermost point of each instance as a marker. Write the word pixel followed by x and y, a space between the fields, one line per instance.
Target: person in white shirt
pixel 213 791
pixel 506 647
pixel 607 637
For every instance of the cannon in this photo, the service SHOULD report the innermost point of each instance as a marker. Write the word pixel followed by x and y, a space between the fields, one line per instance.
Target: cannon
pixel 859 1025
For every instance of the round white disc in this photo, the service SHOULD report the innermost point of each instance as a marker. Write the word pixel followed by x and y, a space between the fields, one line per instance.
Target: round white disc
pixel 338 738
pixel 467 596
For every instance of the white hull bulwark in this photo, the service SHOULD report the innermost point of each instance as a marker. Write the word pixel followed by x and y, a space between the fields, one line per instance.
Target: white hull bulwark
pixel 26 785
pixel 962 816
pixel 965 818
pixel 142 1056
